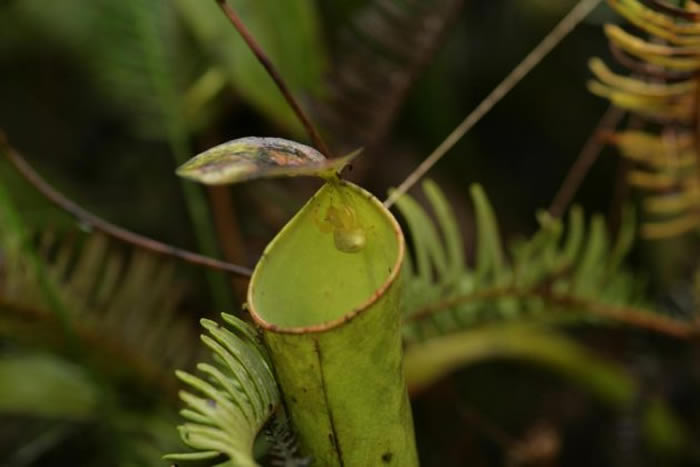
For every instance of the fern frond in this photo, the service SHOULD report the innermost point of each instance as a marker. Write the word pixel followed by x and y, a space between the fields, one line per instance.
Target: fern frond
pixel 657 23
pixel 100 293
pixel 237 395
pixel 666 163
pixel 556 270
pixel 20 261
pixel 49 277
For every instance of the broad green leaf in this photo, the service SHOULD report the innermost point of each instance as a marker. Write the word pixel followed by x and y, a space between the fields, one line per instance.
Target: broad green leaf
pixel 328 305
pixel 46 386
pixel 252 157
pixel 427 362
pixel 288 31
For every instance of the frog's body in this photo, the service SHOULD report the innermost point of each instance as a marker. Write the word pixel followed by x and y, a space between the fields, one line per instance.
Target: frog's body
pixel 348 234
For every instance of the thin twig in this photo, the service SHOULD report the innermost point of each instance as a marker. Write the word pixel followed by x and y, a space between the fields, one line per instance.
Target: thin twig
pixel 585 160
pixel 484 425
pixel 621 186
pixel 629 315
pixel 228 231
pixel 276 77
pixel 92 221
pixel 696 103
pixel 560 31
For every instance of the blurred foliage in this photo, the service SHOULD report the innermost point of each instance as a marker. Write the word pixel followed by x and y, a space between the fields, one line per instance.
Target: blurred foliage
pixel 106 98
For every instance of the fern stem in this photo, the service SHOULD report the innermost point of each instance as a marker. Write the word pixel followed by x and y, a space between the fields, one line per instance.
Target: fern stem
pixel 637 317
pixel 560 31
pixel 275 75
pixel 585 160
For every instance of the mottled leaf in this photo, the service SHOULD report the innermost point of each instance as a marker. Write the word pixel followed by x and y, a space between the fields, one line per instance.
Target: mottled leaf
pixel 252 157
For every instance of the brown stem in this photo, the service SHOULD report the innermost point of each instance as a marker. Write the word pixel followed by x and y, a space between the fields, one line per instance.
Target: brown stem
pixel 696 103
pixel 91 220
pixel 577 14
pixel 588 155
pixel 228 231
pixel 276 77
pixel 633 316
pixel 485 426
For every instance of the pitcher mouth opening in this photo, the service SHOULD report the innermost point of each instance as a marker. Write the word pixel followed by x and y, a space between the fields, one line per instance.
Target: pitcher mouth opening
pixel 309 284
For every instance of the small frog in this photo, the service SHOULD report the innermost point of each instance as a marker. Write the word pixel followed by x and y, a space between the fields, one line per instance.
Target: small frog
pixel 348 234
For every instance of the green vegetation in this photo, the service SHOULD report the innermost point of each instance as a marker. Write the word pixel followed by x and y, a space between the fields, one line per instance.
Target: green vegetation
pixel 463 331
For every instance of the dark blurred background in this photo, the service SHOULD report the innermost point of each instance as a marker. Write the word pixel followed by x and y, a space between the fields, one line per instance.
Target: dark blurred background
pixel 77 100
pixel 106 98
